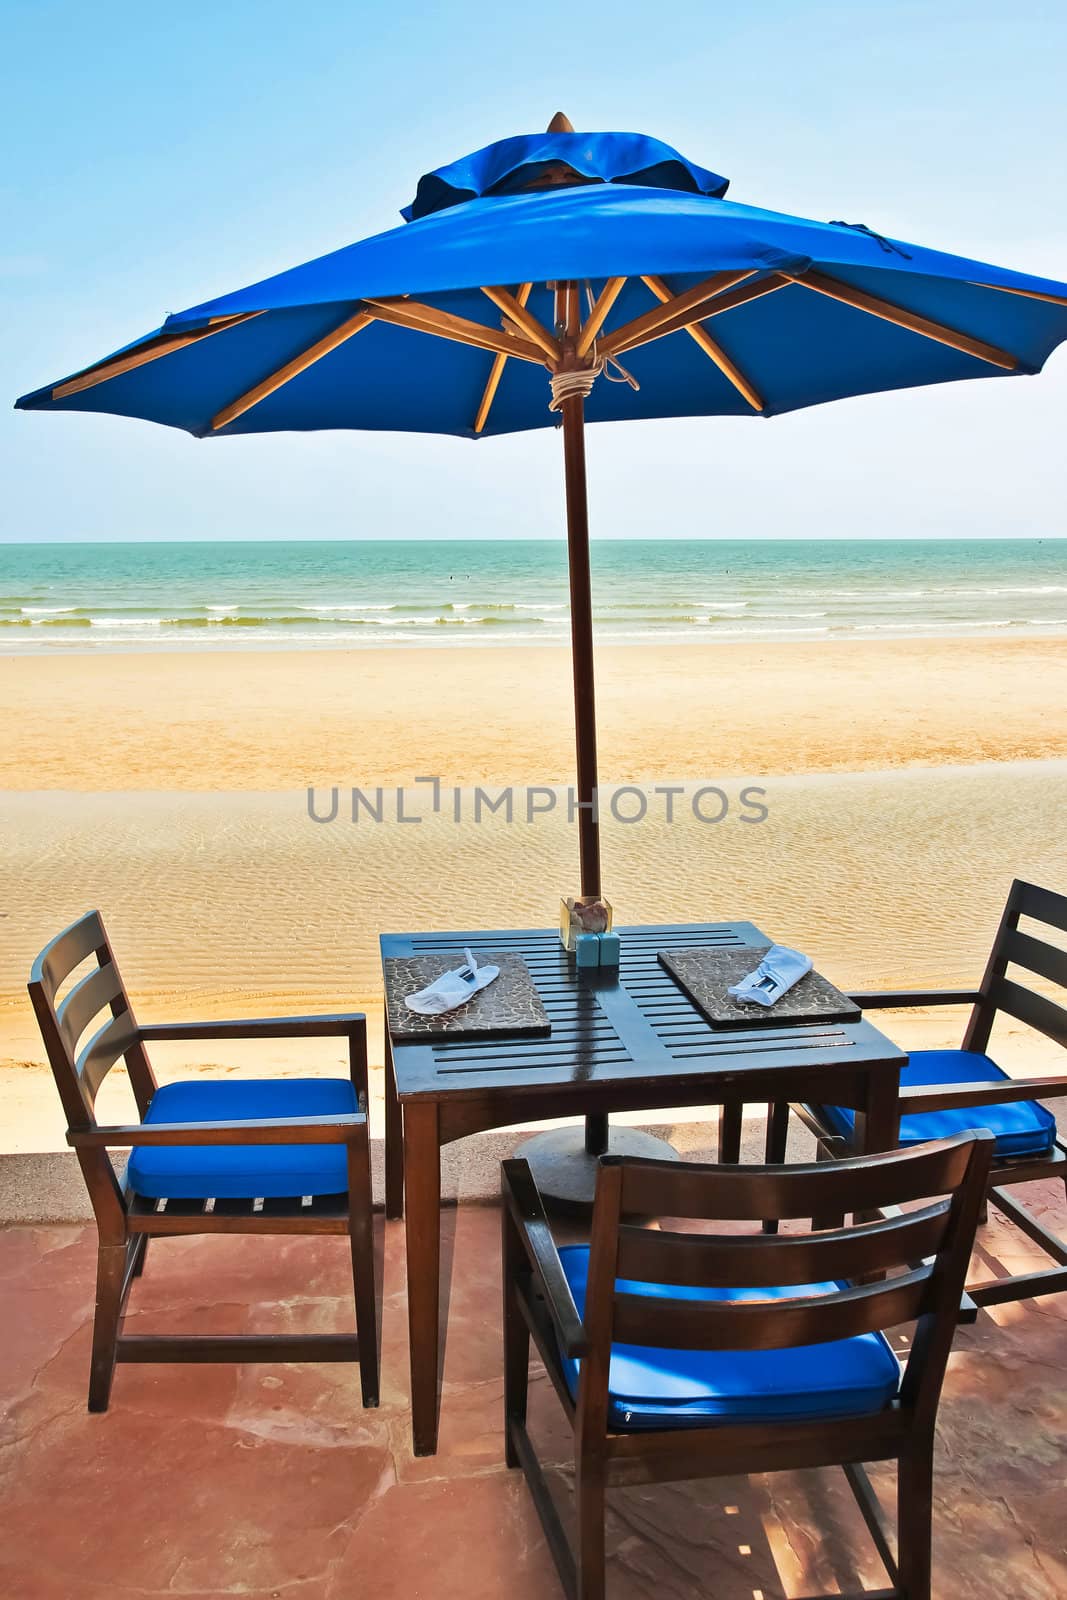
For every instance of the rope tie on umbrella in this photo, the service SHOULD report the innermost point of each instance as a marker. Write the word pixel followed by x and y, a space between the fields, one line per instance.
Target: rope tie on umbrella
pixel 577 382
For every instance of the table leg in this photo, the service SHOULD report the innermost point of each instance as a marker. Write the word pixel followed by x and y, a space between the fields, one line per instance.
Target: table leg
pixel 878 1126
pixel 422 1181
pixel 878 1119
pixel 394 1139
pixel 731 1117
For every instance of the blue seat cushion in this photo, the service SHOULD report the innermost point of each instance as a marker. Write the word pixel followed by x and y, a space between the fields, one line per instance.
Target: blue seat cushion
pixel 1020 1127
pixel 653 1388
pixel 243 1172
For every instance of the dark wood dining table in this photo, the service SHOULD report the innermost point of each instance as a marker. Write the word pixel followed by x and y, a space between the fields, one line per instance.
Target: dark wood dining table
pixel 627 1039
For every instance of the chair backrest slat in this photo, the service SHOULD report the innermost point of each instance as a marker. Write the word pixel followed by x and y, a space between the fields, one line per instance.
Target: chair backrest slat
pixel 107 1044
pixel 771 1324
pixel 747 1194
pixel 732 1261
pixel 1037 956
pixel 1014 947
pixel 63 1023
pixel 99 988
pixel 68 950
pixel 1044 905
pixel 1026 1005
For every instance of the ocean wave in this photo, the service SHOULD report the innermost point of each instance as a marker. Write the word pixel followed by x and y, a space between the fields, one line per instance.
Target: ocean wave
pixel 950 591
pixel 764 633
pixel 487 622
pixel 975 624
pixel 230 621
pixel 117 622
pixel 507 622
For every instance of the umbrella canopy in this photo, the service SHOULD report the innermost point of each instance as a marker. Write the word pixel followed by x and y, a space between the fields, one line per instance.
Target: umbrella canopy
pixel 600 276
pixel 713 307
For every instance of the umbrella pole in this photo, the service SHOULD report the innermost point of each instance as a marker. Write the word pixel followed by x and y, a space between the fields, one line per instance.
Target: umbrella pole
pixel 564 1160
pixel 596 1127
pixel 582 642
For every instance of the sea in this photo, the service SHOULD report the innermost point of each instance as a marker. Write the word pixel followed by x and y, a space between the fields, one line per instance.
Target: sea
pixel 234 595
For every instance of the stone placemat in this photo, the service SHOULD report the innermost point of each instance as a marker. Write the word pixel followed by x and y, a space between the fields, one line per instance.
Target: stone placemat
pixel 509 1005
pixel 705 975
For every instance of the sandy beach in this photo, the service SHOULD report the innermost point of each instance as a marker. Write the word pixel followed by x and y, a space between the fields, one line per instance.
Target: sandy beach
pixel 904 782
pixel 279 720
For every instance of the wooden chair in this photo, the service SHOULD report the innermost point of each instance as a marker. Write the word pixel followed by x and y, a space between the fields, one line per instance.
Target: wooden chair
pixel 257 1156
pixel 945 1091
pixel 689 1355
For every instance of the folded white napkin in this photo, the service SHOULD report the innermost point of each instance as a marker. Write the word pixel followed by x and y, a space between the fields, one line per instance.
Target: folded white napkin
pixel 776 974
pixel 451 989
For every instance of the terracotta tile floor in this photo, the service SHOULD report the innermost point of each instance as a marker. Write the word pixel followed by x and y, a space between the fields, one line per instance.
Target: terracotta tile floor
pixel 204 1482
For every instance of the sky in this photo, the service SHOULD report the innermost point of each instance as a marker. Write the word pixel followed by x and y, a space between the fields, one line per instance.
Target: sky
pixel 155 156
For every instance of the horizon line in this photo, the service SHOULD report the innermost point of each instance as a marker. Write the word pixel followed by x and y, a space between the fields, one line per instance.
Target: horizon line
pixel 561 539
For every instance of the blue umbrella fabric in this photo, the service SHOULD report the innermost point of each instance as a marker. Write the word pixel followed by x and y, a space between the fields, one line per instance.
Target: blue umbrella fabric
pixel 703 307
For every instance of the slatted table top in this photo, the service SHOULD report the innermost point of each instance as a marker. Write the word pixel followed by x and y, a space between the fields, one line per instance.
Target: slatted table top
pixel 628 1027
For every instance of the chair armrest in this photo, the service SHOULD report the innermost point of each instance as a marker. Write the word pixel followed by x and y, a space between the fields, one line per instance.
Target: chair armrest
pixel 901 999
pixel 253 1130
pixel 947 1097
pixel 528 1214
pixel 338 1025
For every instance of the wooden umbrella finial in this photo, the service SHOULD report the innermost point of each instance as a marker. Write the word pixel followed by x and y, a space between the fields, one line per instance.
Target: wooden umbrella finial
pixel 560 124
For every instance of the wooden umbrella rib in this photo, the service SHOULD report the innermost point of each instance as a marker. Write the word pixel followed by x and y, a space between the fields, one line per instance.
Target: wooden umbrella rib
pixel 753 289
pixel 428 319
pixel 524 320
pixel 847 294
pixel 711 348
pixel 1027 294
pixel 647 326
pixel 496 371
pixel 292 369
pixel 163 345
pixel 595 320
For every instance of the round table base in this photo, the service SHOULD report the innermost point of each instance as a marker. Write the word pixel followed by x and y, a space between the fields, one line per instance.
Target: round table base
pixel 565 1172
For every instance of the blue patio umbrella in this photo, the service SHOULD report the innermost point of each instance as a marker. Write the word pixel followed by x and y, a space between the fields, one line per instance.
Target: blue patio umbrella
pixel 572 277
pixel 575 277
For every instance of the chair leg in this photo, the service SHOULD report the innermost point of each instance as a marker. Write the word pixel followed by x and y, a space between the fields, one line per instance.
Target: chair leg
pixel 110 1277
pixel 516 1342
pixel 590 1506
pixel 141 1255
pixel 361 1241
pixel 915 1485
